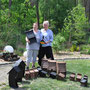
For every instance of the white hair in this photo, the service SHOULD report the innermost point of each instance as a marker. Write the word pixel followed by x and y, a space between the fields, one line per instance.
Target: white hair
pixel 46 22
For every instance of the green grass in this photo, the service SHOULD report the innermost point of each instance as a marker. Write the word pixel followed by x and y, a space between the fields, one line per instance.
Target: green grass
pixel 76 66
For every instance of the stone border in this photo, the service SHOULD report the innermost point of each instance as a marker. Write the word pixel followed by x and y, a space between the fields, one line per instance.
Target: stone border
pixel 72 59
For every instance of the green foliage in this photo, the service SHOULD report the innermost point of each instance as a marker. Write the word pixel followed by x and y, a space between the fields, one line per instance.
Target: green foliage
pixel 15 21
pixel 74 48
pixel 1 44
pixel 88 41
pixel 85 49
pixel 55 11
pixel 58 42
pixel 20 51
pixel 75 25
pixel 89 51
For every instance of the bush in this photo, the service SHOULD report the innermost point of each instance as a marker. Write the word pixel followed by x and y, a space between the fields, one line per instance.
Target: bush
pixel 58 43
pixel 89 51
pixel 20 51
pixel 1 45
pixel 74 48
pixel 85 49
pixel 89 40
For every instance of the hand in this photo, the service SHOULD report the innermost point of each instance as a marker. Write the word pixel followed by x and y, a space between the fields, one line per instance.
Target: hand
pixel 47 42
pixel 27 40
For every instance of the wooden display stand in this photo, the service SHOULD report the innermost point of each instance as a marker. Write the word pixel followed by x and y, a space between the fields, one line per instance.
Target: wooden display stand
pixel 72 77
pixel 51 65
pixel 79 77
pixel 44 64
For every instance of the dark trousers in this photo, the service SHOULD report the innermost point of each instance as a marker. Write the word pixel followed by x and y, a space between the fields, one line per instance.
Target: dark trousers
pixel 45 51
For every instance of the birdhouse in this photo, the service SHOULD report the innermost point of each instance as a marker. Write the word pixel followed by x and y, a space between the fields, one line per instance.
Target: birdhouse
pixel 43 73
pixel 61 67
pixel 53 75
pixel 32 74
pixel 51 65
pixel 72 77
pixel 13 75
pixel 61 76
pixel 79 77
pixel 44 64
pixel 36 73
pixel 31 36
pixel 27 74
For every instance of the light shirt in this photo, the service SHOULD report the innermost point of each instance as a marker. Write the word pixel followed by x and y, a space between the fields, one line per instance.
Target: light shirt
pixel 48 36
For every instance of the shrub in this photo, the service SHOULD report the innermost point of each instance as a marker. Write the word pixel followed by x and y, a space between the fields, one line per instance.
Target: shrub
pixel 89 40
pixel 85 49
pixel 89 51
pixel 74 48
pixel 58 43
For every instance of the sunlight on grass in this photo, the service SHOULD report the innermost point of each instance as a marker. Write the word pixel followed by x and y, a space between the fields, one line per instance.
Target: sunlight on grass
pixel 76 66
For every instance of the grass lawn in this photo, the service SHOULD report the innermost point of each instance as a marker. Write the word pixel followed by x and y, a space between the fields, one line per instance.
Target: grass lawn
pixel 76 66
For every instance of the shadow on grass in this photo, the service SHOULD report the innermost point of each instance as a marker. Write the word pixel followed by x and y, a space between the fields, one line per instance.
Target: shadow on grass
pixel 88 85
pixel 26 82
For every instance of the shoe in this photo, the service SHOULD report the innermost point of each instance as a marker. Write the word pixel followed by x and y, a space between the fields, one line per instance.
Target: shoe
pixel 27 68
pixel 33 66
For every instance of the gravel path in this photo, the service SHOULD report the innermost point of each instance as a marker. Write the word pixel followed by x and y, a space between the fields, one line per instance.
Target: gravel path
pixel 71 55
pixel 4 69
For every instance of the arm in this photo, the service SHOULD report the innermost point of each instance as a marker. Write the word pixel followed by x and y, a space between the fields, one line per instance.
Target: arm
pixel 50 37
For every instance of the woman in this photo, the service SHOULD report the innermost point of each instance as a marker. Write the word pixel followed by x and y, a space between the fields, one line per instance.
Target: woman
pixel 46 49
pixel 33 48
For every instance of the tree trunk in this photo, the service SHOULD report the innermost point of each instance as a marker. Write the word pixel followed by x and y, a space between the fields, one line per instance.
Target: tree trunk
pixel 87 8
pixel 76 2
pixel 10 2
pixel 0 4
pixel 37 12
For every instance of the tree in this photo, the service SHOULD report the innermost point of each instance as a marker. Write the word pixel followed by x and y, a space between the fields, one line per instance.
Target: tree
pixel 76 25
pixel 55 11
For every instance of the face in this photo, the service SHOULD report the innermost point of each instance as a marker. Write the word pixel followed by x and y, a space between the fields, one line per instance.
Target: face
pixel 35 26
pixel 45 26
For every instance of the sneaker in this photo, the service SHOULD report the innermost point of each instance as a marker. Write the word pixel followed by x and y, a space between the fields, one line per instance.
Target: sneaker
pixel 27 68
pixel 33 66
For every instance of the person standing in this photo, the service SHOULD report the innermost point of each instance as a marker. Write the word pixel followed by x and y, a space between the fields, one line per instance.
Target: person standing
pixel 33 48
pixel 46 49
